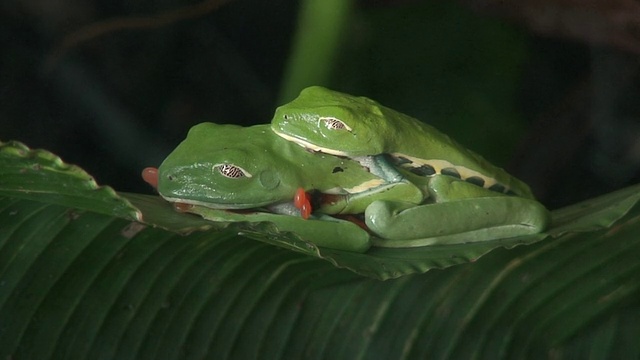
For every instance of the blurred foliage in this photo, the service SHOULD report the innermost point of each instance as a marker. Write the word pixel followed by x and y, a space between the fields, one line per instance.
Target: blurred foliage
pixel 121 101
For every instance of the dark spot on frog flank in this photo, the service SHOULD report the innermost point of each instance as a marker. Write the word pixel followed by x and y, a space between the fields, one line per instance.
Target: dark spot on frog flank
pixel 424 170
pixel 451 172
pixel 337 169
pixel 475 180
pixel 399 160
pixel 497 188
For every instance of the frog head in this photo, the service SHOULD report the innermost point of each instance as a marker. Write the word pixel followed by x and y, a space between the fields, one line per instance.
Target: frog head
pixel 227 167
pixel 334 123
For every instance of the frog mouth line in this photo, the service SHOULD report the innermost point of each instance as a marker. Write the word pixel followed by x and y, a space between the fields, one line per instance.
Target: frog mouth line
pixel 185 202
pixel 308 145
pixel 185 208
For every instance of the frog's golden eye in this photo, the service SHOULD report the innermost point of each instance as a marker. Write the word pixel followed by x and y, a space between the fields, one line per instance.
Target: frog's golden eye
pixel 334 124
pixel 231 171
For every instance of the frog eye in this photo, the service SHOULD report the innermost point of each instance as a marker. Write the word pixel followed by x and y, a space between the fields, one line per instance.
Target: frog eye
pixel 231 171
pixel 334 124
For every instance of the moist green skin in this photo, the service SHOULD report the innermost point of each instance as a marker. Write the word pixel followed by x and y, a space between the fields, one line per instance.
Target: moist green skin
pixel 466 197
pixel 276 168
pixel 376 129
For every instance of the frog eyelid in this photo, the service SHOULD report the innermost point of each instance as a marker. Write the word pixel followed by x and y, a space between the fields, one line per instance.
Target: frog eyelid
pixel 334 123
pixel 231 171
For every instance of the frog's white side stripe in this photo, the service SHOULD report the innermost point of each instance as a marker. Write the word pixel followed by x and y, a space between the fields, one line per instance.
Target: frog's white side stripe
pixel 412 164
pixel 439 165
pixel 367 185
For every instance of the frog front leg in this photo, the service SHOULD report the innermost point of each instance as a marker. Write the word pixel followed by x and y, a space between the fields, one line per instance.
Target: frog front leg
pixel 460 213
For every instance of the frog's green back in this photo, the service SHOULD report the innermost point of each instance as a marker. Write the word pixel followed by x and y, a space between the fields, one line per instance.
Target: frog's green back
pixel 343 124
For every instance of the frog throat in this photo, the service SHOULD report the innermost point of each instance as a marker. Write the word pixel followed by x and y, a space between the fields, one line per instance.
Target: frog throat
pixel 234 206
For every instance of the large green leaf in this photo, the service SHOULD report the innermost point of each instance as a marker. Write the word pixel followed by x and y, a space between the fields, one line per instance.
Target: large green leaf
pixel 41 175
pixel 79 283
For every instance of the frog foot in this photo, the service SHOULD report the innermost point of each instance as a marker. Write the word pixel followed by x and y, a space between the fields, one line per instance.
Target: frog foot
pixel 302 202
pixel 150 176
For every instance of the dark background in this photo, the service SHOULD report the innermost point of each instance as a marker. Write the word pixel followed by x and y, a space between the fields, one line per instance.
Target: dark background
pixel 547 90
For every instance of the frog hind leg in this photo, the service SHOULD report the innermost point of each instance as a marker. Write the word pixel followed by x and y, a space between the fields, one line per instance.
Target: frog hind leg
pixel 458 221
pixel 356 203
